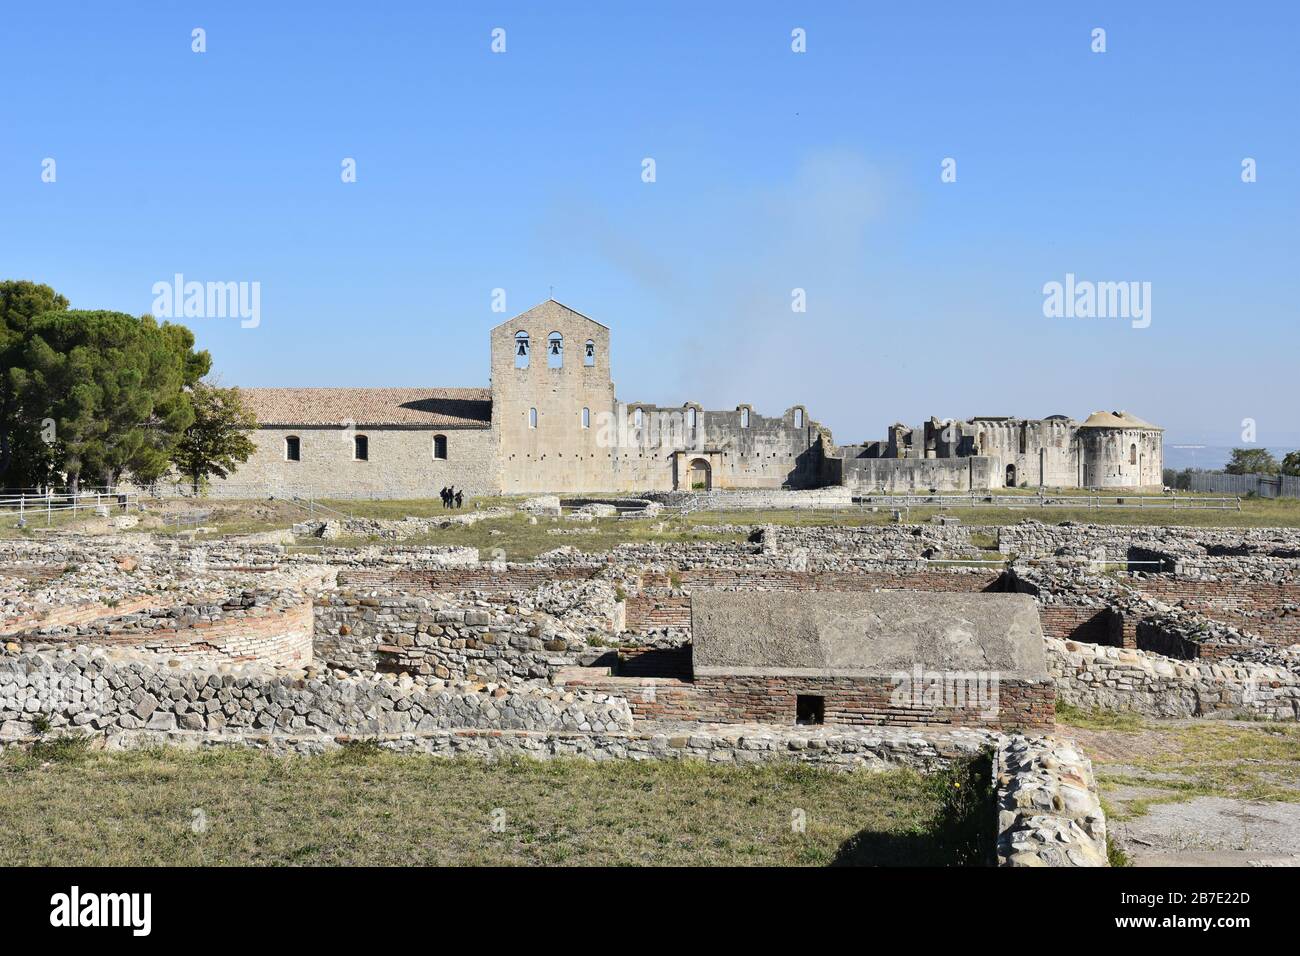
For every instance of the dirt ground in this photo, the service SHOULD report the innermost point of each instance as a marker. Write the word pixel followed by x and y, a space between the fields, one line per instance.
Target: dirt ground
pixel 1198 792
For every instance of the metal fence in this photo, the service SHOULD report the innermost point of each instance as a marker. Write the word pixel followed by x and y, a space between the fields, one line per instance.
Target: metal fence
pixel 38 507
pixel 1263 486
pixel 1087 502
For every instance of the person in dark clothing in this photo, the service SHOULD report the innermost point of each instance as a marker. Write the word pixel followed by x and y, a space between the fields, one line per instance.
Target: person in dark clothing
pixel 460 499
pixel 444 495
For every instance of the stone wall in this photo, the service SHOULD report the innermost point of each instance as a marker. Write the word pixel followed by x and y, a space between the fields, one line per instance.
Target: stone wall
pixel 1235 552
pixel 86 688
pixel 1112 678
pixel 867 476
pixel 1049 810
pixel 774 498
pixel 485 578
pixel 556 451
pixel 842 750
pixel 721 452
pixel 400 464
pixel 957 579
pixel 836 544
pixel 273 627
pixel 366 631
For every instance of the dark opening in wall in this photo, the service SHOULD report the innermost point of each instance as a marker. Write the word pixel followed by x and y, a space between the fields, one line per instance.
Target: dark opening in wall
pixel 809 709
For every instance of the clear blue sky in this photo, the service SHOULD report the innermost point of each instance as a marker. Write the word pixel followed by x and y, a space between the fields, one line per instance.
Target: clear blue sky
pixel 775 170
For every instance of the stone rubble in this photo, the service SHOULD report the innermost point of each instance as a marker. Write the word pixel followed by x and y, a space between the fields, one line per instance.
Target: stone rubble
pixel 1049 811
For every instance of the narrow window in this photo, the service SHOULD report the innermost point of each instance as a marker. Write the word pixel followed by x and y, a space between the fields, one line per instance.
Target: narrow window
pixel 521 350
pixel 692 418
pixel 744 418
pixel 360 448
pixel 532 418
pixel 1132 454
pixel 637 418
pixel 292 449
pixel 809 709
pixel 589 353
pixel 586 418
pixel 798 418
pixel 440 447
pixel 555 350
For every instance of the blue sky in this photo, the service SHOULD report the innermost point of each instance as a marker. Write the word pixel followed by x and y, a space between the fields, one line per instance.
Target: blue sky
pixel 775 171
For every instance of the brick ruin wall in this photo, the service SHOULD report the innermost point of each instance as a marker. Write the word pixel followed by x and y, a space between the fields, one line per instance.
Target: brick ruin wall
pixel 1269 610
pixel 848 701
pixel 275 628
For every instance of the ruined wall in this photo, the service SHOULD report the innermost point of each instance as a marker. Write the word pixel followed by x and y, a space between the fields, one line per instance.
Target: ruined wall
pixel 910 475
pixel 400 464
pixel 1049 808
pixel 720 450
pixel 1113 678
pixel 1019 704
pixel 1107 458
pixel 90 690
pixel 1028 452
pixel 848 701
pixel 420 635
pixel 1017 452
pixel 272 628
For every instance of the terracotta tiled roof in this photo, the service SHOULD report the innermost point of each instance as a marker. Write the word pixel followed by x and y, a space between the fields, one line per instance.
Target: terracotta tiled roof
pixel 429 407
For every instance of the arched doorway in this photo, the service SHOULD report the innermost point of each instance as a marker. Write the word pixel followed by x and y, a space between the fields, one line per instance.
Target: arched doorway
pixel 699 476
pixel 1011 476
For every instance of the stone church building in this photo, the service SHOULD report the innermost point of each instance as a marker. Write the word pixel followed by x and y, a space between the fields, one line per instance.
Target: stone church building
pixel 550 422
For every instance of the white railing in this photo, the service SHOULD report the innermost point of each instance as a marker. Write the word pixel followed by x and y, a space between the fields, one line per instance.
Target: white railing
pixel 29 507
pixel 1090 502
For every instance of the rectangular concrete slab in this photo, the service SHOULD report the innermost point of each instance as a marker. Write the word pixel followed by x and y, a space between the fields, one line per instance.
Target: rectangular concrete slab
pixel 865 633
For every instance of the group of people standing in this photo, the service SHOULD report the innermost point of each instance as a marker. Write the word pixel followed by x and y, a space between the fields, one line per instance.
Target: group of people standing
pixel 451 498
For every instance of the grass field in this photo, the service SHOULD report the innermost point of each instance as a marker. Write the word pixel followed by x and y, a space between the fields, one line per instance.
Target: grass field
pixel 64 805
pixel 520 540
pixel 1141 762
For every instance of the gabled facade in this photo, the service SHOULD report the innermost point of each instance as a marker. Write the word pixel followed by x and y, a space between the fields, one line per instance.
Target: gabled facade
pixel 550 422
pixel 551 391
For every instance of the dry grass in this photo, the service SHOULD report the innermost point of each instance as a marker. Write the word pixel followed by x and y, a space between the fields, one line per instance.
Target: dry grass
pixel 362 806
pixel 1169 761
pixel 229 516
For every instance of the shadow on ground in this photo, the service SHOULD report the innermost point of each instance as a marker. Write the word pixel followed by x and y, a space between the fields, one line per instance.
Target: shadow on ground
pixel 962 833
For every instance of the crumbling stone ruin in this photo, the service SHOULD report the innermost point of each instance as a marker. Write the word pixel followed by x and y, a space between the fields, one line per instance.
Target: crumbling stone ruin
pixel 839 646
pixel 550 422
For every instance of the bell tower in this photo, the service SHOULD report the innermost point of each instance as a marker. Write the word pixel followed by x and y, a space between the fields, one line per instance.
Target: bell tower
pixel 551 395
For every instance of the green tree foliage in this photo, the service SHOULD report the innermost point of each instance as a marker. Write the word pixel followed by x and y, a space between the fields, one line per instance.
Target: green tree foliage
pixel 218 441
pixel 26 459
pixel 1252 461
pixel 1291 464
pixel 116 388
